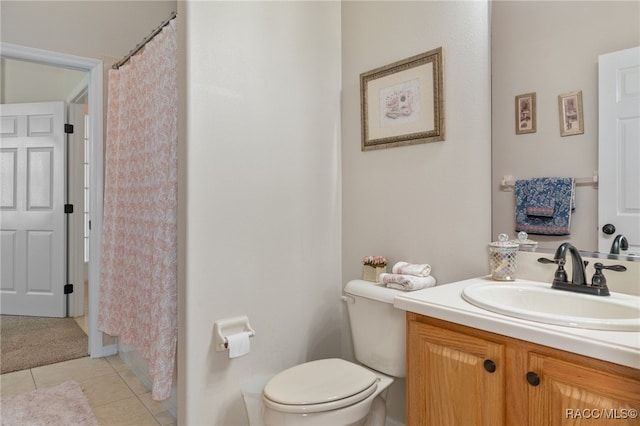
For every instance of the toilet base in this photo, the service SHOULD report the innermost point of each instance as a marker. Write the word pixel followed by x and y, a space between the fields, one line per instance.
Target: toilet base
pixel 337 418
pixel 378 413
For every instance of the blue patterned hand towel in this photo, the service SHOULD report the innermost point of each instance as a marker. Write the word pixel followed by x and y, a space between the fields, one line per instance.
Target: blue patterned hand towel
pixel 544 205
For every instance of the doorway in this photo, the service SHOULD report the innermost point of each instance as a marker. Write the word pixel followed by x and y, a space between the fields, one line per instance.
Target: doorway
pixel 94 93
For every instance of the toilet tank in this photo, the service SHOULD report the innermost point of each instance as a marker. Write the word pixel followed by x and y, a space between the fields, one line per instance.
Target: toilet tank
pixel 377 328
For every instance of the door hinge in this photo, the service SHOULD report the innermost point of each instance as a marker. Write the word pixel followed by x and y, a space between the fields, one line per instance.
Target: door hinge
pixel 68 208
pixel 68 288
pixel 68 128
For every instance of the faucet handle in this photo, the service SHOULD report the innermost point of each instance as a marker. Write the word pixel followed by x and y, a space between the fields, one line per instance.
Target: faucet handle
pixel 617 268
pixel 560 274
pixel 598 279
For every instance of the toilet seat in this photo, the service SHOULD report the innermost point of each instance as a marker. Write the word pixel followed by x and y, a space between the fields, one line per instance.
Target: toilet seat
pixel 317 386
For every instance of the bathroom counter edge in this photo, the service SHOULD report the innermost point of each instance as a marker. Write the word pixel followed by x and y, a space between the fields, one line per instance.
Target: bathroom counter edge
pixel 446 303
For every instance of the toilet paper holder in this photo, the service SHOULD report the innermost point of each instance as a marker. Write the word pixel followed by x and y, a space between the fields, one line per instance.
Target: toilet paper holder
pixel 228 326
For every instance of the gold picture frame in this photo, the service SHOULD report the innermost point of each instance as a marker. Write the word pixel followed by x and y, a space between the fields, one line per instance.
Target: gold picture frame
pixel 570 111
pixel 402 103
pixel 526 113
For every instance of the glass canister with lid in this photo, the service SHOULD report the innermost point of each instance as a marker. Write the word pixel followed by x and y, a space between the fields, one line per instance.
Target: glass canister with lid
pixel 503 258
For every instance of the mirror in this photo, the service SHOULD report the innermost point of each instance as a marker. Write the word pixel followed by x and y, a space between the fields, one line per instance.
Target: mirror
pixel 548 48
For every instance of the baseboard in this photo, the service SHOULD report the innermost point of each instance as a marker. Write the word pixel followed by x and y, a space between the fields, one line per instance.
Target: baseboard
pixel 107 350
pixel 392 422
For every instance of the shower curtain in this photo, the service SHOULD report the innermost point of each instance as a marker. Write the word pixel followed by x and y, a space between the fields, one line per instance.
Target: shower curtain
pixel 138 296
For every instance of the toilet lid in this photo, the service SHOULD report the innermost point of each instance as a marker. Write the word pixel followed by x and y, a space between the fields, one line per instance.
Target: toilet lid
pixel 319 382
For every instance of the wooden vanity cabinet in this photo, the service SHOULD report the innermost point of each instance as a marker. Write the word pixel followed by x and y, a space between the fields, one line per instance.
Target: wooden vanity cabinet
pixel 458 375
pixel 447 382
pixel 568 392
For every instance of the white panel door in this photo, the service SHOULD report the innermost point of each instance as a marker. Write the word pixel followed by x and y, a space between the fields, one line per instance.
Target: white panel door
pixel 619 148
pixel 33 223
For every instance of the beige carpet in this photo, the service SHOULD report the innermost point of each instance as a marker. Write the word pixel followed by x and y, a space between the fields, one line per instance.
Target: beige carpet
pixel 27 342
pixel 61 405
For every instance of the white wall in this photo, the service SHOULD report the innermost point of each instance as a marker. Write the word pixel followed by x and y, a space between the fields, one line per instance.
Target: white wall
pixel 92 29
pixel 422 203
pixel 22 81
pixel 552 48
pixel 260 202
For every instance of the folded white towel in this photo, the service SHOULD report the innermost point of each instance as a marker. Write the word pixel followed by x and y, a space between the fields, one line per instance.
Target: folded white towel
pixel 419 270
pixel 406 282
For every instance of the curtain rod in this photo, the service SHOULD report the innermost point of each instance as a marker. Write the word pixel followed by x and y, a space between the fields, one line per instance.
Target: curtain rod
pixel 146 40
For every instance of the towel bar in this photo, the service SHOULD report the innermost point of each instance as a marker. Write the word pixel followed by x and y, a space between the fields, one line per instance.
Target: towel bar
pixel 508 182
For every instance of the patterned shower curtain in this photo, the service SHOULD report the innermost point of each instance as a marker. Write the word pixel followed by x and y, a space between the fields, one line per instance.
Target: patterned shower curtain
pixel 138 297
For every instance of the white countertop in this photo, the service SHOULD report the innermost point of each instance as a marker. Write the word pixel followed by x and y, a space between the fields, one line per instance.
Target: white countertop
pixel 446 303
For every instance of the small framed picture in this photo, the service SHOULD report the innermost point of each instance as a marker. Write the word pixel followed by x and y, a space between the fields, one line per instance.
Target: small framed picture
pixel 402 103
pixel 526 113
pixel 570 109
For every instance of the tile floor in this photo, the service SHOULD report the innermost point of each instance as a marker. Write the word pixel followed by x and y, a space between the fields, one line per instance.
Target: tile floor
pixel 115 394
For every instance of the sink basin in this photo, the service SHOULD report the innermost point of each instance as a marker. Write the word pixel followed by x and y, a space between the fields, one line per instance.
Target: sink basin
pixel 538 302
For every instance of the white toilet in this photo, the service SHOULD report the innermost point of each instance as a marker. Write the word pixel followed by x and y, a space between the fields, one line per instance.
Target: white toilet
pixel 338 392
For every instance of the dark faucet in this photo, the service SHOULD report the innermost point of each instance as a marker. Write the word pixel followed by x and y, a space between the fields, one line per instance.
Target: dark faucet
pixel 578 276
pixel 578 282
pixel 619 243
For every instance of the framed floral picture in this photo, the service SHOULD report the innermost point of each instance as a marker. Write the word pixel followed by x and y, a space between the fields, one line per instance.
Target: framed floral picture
pixel 570 109
pixel 526 113
pixel 402 103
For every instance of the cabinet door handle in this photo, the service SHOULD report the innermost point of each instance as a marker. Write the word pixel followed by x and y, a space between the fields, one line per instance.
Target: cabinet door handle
pixel 533 378
pixel 489 365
